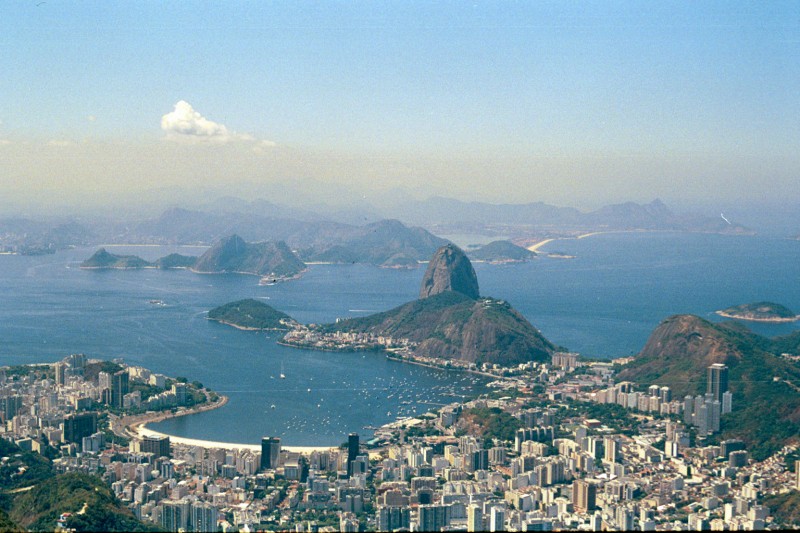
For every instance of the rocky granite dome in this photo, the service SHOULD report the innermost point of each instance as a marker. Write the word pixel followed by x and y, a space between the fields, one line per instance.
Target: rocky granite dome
pixel 450 325
pixel 449 270
pixel 450 320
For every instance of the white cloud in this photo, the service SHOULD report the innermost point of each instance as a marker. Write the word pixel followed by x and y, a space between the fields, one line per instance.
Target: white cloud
pixel 60 143
pixel 4 142
pixel 185 124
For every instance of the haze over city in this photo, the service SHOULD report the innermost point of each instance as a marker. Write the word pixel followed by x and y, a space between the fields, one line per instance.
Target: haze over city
pixel 578 104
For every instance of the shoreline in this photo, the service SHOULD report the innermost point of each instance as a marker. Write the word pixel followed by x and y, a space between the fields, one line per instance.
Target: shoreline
pixel 775 320
pixel 243 328
pixel 137 428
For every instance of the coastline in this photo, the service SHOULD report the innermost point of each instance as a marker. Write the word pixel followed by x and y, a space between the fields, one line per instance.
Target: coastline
pixel 136 427
pixel 775 320
pixel 243 328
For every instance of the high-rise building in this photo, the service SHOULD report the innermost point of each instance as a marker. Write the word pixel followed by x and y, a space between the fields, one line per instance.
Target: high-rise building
pixel 478 460
pixel 78 426
pixel 433 517
pixel 119 388
pixel 270 452
pixel 727 402
pixel 204 517
pixel 352 451
pixel 60 373
pixel 717 381
pixel 158 446
pixel 584 496
pixel 797 474
pixel 624 518
pixel 610 450
pixel 175 515
pixel 474 518
pixel 391 517
pixel 180 392
pixel 497 518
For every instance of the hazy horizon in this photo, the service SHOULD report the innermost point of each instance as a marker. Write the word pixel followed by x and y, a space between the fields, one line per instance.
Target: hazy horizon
pixel 572 104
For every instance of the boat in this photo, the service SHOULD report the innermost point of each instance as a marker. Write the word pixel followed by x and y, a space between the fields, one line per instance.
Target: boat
pixel 283 376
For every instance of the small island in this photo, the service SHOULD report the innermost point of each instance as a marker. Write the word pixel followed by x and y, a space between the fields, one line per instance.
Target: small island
pixel 104 260
pixel 760 312
pixel 251 314
pixel 502 252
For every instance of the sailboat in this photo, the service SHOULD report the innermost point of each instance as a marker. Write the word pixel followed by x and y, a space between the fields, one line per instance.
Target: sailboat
pixel 283 376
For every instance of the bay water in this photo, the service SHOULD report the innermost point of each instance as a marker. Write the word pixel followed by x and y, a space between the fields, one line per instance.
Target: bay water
pixel 603 302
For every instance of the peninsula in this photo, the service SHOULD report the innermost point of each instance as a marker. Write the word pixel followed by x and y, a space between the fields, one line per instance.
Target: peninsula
pixel 760 312
pixel 450 324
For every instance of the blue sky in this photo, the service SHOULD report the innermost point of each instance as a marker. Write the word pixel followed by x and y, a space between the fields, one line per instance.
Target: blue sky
pixel 508 101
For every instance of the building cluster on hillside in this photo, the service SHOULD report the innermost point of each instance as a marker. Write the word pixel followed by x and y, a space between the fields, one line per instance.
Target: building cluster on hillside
pixel 558 468
pixel 302 335
pixel 702 411
pixel 59 407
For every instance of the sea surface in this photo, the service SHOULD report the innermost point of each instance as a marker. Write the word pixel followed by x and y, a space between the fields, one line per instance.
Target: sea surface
pixel 604 302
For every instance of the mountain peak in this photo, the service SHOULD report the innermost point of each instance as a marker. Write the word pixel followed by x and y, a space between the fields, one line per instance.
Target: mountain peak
pixel 449 270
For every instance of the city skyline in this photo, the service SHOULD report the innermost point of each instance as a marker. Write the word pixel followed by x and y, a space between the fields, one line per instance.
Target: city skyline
pixel 568 103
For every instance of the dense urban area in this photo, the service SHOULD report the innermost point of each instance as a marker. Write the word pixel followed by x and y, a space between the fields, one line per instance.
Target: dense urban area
pixel 557 445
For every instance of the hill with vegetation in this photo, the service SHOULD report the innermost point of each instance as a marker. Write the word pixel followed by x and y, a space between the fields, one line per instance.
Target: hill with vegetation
pixel 22 468
pixel 760 312
pixel 449 321
pixel 7 525
pixel 785 508
pixel 682 347
pixel 251 314
pixel 501 251
pixel 451 325
pixel 176 261
pixel 103 259
pixel 266 259
pixel 91 502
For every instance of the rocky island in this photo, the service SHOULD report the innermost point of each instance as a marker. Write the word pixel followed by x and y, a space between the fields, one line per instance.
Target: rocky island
pixel 251 314
pixel 102 259
pixel 760 312
pixel 502 252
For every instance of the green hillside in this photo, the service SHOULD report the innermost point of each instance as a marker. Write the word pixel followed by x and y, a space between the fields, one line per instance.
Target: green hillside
pixel 251 314
pixel 682 347
pixel 91 502
pixel 451 325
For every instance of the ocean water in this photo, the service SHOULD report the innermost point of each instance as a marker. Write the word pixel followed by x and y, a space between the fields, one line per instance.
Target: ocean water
pixel 602 303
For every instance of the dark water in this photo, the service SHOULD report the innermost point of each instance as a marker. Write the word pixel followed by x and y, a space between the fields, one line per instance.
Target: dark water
pixel 605 302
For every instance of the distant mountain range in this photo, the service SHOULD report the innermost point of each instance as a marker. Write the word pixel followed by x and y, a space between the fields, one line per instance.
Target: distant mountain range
pixel 438 211
pixel 346 236
pixel 765 385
